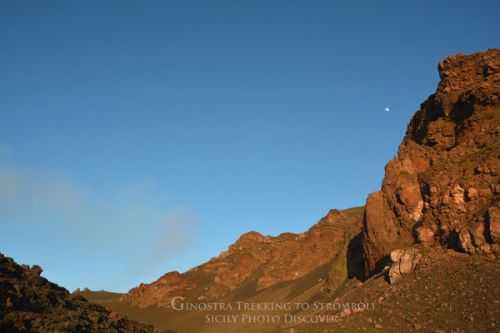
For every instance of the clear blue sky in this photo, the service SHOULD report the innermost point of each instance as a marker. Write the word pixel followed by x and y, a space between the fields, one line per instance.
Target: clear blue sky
pixel 138 137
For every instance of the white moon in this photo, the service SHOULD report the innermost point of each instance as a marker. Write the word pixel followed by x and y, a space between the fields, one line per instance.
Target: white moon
pixel 387 109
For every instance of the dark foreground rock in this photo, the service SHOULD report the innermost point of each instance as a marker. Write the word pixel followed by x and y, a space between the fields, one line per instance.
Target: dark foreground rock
pixel 31 303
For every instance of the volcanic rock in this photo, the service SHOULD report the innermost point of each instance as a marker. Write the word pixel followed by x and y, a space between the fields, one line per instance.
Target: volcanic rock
pixel 404 261
pixel 447 170
pixel 256 262
pixel 494 224
pixel 30 303
pixel 425 235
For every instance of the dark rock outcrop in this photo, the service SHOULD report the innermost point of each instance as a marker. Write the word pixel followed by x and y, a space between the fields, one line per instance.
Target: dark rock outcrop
pixel 30 303
pixel 443 187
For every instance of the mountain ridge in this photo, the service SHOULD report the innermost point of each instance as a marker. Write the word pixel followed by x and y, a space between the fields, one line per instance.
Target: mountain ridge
pixel 254 253
pixel 423 254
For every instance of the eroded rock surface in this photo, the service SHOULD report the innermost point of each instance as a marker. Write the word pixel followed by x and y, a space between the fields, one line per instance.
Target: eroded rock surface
pixel 443 186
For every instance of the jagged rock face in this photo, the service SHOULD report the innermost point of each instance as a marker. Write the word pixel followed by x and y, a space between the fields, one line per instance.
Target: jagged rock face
pixel 30 303
pixel 445 178
pixel 255 262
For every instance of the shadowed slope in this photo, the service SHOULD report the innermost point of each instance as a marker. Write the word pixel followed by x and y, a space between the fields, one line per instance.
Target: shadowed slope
pixel 30 303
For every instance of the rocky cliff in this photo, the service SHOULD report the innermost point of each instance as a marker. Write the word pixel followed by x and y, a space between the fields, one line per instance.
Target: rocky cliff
pixel 30 303
pixel 443 187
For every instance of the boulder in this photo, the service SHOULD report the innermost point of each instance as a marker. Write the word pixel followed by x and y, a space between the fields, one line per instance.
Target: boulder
pixel 494 224
pixel 465 241
pixel 403 261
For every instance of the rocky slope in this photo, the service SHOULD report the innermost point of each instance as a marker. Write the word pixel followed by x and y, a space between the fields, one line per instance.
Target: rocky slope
pixel 256 262
pixel 30 303
pixel 443 187
pixel 447 292
pixel 440 192
pixel 256 268
pixel 432 232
